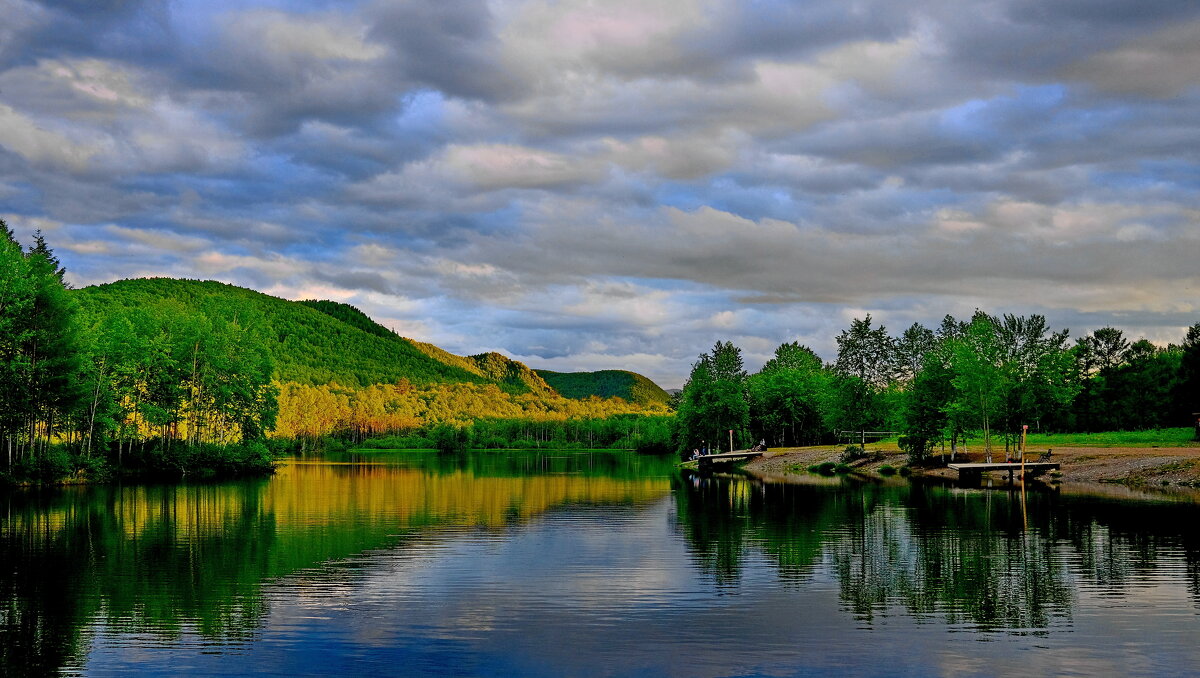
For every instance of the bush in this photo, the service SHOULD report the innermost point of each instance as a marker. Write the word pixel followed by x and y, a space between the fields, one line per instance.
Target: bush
pixel 52 466
pixel 824 468
pixel 852 453
pixel 841 469
pixel 906 471
pixel 886 470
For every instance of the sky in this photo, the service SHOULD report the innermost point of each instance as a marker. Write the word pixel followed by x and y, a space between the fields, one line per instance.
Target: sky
pixel 586 184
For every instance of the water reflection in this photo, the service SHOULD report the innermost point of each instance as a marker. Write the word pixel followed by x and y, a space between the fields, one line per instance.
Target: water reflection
pixel 974 558
pixel 586 562
pixel 165 559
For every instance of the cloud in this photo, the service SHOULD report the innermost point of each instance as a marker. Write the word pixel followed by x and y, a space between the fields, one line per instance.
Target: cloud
pixel 1163 64
pixel 621 182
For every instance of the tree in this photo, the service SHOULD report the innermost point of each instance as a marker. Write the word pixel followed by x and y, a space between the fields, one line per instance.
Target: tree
pixel 713 401
pixel 1108 348
pixel 926 402
pixel 866 353
pixel 866 367
pixel 785 396
pixel 16 302
pixel 980 382
pixel 41 354
pixel 911 347
pixel 1188 391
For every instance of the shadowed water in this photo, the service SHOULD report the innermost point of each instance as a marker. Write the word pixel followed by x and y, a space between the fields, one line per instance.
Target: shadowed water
pixel 589 563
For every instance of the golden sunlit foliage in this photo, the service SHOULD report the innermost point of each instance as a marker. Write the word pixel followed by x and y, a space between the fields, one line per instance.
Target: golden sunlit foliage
pixel 307 411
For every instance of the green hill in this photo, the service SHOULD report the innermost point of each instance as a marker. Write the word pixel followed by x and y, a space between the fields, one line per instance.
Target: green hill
pixel 606 383
pixel 318 342
pixel 312 342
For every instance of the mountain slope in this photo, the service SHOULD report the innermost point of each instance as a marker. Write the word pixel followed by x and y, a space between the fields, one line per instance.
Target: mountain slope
pixel 321 342
pixel 606 384
pixel 309 346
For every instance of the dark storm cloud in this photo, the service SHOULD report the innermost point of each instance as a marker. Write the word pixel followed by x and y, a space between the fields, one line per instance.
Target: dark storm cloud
pixel 618 184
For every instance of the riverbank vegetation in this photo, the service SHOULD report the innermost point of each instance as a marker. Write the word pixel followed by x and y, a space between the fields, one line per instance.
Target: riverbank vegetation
pixel 644 433
pixel 979 380
pixel 150 390
pixel 179 378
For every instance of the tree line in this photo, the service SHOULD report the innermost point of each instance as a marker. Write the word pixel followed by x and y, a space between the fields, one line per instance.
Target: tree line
pixel 177 377
pixel 153 385
pixel 310 415
pixel 983 379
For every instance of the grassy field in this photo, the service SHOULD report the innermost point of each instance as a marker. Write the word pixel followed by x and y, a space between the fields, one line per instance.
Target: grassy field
pixel 1165 437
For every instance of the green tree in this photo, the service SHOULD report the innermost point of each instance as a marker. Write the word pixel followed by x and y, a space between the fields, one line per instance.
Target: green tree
pixel 713 401
pixel 785 397
pixel 911 347
pixel 926 402
pixel 866 368
pixel 1188 390
pixel 16 303
pixel 980 382
pixel 49 350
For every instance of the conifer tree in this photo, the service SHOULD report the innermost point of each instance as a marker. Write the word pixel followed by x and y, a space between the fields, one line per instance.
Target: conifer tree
pixel 16 302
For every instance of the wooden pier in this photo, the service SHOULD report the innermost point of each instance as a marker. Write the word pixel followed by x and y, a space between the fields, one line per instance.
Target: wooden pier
pixel 709 460
pixel 972 473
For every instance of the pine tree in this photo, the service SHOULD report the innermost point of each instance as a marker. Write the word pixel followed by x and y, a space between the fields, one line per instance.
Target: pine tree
pixel 16 303
pixel 51 355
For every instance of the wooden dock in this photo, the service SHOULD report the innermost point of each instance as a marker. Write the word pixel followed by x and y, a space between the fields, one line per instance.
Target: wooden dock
pixel 709 460
pixel 973 472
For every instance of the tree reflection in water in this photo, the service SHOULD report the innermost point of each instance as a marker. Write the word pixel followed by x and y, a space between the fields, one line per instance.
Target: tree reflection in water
pixel 965 557
pixel 175 559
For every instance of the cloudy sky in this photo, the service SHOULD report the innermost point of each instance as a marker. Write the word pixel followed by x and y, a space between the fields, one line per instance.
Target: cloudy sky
pixel 588 184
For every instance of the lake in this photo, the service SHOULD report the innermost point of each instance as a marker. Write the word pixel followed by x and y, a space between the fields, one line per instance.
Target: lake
pixel 597 563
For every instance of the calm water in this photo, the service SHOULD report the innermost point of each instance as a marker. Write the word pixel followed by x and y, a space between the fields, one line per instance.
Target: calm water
pixel 590 564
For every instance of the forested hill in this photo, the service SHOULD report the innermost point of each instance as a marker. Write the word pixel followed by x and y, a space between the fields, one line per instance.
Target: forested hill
pixel 489 367
pixel 322 342
pixel 319 342
pixel 606 384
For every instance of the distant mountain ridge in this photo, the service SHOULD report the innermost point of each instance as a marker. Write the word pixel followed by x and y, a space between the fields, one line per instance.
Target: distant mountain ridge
pixel 320 342
pixel 606 384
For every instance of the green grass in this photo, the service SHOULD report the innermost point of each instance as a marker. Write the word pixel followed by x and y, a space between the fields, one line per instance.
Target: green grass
pixel 1166 437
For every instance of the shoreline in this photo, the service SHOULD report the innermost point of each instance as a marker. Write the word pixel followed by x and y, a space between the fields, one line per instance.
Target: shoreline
pixel 1132 467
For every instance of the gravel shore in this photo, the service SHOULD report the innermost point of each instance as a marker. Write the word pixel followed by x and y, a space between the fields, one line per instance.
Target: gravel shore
pixel 1132 466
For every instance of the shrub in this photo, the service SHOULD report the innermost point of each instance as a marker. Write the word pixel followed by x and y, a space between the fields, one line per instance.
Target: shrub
pixel 841 468
pixel 886 470
pixel 824 468
pixel 852 453
pixel 51 466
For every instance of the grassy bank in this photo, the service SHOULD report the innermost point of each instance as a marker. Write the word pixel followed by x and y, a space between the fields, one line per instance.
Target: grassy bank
pixel 1161 437
pixel 1164 437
